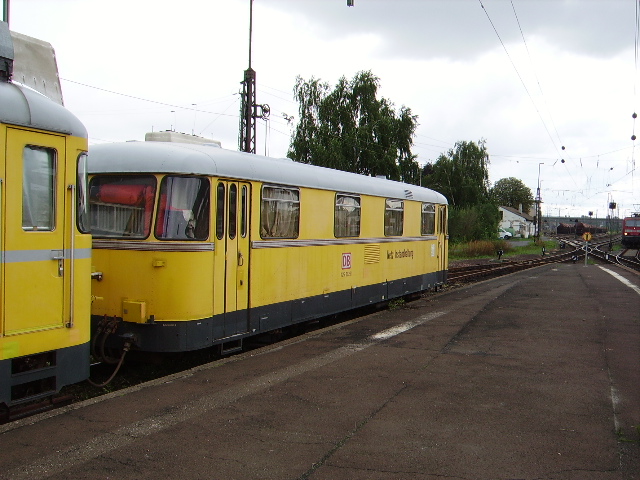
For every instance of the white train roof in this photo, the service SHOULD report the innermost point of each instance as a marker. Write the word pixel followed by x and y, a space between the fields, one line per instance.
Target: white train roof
pixel 25 107
pixel 181 158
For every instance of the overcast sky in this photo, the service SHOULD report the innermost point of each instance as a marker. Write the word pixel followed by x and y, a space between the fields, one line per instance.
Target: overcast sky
pixel 527 76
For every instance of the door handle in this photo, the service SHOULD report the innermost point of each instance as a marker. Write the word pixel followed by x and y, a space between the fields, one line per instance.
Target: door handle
pixel 240 259
pixel 59 256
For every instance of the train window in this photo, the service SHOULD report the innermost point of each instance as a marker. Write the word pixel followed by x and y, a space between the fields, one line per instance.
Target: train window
pixel 183 211
pixel 347 216
pixel 393 217
pixel 82 205
pixel 38 193
pixel 279 212
pixel 243 211
pixel 428 223
pixel 233 210
pixel 220 197
pixel 121 205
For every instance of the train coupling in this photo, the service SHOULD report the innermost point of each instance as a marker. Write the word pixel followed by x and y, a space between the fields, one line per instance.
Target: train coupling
pixel 129 339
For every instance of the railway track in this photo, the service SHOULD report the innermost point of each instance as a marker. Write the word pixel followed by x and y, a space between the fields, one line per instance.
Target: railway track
pixel 473 273
pixel 600 248
pixel 629 258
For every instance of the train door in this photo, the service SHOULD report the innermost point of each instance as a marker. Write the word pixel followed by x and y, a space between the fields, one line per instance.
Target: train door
pixel 234 197
pixel 33 232
pixel 443 233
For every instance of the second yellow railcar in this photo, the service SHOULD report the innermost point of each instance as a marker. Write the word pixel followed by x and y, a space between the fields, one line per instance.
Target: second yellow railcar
pixel 195 245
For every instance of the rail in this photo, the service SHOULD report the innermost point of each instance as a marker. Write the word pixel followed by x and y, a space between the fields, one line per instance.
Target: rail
pixel 602 248
pixel 474 272
pixel 577 251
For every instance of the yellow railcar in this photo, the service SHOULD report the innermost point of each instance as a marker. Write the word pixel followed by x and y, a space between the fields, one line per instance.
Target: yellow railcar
pixel 195 245
pixel 45 261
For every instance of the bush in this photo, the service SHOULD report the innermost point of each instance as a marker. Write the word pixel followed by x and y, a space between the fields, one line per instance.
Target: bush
pixel 479 222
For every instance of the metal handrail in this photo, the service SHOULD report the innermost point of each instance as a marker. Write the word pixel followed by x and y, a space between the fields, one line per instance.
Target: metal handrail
pixel 72 255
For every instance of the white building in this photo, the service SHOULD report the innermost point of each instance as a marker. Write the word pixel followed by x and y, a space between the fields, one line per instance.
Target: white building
pixel 516 222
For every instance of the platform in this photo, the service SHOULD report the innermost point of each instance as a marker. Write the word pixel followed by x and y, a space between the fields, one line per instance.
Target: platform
pixel 535 375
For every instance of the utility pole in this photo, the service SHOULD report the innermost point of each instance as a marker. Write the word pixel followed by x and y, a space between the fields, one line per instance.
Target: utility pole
pixel 248 107
pixel 250 111
pixel 538 207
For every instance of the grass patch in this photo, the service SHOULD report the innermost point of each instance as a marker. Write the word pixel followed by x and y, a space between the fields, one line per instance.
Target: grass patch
pixel 478 249
pixel 396 303
pixel 536 246
pixel 489 248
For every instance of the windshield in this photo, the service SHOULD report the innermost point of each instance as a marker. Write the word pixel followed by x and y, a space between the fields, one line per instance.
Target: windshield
pixel 183 212
pixel 121 205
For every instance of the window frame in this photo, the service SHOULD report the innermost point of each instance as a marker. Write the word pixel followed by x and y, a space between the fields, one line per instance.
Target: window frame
pixel 244 212
pixel 391 213
pixel 339 228
pixel 296 203
pixel 232 220
pixel 221 206
pixel 148 223
pixel 52 155
pixel 161 209
pixel 83 216
pixel 424 215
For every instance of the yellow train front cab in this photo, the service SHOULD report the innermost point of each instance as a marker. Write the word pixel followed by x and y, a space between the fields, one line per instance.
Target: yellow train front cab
pixel 44 258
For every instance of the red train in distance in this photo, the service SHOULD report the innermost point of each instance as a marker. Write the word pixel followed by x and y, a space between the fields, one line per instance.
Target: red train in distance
pixel 631 231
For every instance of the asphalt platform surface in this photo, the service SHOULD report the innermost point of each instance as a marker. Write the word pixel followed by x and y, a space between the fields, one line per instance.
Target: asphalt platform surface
pixel 535 375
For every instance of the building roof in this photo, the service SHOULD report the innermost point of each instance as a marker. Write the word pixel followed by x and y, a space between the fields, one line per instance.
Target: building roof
pixel 517 212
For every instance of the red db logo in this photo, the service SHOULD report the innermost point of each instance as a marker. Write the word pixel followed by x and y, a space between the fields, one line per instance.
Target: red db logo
pixel 346 261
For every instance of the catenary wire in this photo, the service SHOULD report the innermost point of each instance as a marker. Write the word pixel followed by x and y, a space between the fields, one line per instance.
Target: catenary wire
pixel 534 72
pixel 520 77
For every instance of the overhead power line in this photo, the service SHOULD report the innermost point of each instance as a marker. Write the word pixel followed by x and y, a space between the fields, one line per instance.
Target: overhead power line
pixel 191 108
pixel 520 77
pixel 534 71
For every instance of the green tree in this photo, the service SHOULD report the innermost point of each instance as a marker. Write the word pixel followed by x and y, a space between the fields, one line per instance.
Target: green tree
pixel 512 192
pixel 461 175
pixel 349 128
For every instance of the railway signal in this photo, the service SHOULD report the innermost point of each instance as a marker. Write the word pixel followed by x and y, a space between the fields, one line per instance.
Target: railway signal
pixel 586 236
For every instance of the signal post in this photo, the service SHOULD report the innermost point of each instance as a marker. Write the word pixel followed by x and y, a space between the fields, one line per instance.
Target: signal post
pixel 586 236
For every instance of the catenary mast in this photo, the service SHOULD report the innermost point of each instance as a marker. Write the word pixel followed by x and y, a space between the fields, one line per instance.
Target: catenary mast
pixel 249 110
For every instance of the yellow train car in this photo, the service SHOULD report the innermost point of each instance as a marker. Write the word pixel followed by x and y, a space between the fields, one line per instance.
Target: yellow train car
pixel 45 261
pixel 195 245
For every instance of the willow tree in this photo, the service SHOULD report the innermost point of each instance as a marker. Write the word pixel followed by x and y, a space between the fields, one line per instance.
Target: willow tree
pixel 462 174
pixel 349 128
